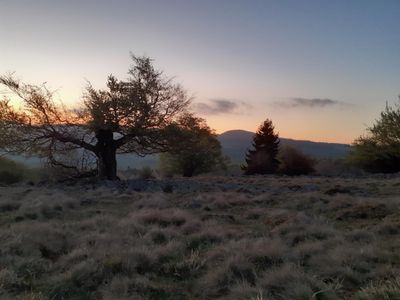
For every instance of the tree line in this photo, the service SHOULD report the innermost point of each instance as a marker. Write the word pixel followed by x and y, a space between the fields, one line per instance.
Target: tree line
pixel 148 113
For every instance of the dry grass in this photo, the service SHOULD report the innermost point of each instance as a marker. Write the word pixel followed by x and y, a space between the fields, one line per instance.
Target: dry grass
pixel 213 238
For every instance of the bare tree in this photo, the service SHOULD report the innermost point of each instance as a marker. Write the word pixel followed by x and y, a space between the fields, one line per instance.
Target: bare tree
pixel 131 116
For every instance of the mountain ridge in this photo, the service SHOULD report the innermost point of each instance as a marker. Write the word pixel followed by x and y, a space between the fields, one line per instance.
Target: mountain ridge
pixel 235 144
pixel 234 131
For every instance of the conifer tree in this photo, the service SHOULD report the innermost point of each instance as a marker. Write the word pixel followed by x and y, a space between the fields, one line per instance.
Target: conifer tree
pixel 263 158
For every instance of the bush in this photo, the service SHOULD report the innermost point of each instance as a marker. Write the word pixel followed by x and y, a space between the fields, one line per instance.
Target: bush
pixel 294 162
pixel 337 167
pixel 375 158
pixel 10 171
pixel 146 173
pixel 8 177
pixel 196 149
pixel 379 150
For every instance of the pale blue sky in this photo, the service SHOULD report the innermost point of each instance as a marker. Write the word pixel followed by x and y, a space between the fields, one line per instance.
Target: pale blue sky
pixel 285 60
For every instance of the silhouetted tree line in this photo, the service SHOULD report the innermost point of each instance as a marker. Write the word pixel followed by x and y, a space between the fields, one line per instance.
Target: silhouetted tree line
pixel 147 113
pixel 377 152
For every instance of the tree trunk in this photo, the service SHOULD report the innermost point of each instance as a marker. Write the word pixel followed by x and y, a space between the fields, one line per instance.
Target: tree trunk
pixel 106 155
pixel 188 170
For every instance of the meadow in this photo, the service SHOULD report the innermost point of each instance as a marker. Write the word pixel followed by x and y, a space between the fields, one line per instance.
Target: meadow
pixel 210 237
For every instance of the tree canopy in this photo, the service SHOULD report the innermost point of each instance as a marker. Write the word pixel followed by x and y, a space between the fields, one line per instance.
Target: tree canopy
pixel 262 159
pixel 379 149
pixel 293 162
pixel 197 149
pixel 130 116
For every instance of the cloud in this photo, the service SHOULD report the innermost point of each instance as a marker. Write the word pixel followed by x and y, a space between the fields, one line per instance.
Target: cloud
pixel 219 106
pixel 310 103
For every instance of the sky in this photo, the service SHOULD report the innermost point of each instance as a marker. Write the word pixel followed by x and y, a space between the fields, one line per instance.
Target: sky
pixel 320 70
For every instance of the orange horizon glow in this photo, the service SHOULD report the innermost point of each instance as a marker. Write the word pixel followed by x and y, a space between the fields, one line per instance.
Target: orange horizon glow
pixel 284 128
pixel 304 137
pixel 340 58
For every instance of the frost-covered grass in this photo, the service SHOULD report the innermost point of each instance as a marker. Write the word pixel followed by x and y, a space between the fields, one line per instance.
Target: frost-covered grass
pixel 204 238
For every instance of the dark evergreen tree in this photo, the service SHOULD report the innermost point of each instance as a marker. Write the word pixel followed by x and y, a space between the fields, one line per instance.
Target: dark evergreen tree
pixel 263 158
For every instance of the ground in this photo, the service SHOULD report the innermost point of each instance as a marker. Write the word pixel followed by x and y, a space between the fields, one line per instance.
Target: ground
pixel 203 238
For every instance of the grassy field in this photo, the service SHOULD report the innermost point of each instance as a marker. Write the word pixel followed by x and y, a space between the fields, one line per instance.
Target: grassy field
pixel 203 238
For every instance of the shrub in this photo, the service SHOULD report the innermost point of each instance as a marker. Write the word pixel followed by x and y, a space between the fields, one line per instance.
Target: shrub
pixel 13 171
pixel 294 162
pixel 146 173
pixel 374 157
pixel 168 188
pixel 10 171
pixel 379 150
pixel 197 149
pixel 337 167
pixel 8 177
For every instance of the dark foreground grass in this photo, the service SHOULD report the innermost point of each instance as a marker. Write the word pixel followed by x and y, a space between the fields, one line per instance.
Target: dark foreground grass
pixel 268 238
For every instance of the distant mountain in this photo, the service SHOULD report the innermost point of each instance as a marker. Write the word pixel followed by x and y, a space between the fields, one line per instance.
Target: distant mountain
pixel 236 142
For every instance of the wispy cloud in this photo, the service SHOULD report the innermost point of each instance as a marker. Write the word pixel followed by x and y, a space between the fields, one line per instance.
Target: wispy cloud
pixel 219 106
pixel 310 103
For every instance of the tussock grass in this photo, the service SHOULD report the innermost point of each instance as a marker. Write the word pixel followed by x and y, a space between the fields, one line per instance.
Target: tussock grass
pixel 246 238
pixel 385 290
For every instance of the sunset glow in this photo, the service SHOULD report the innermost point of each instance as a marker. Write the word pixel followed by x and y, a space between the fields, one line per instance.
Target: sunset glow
pixel 321 70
